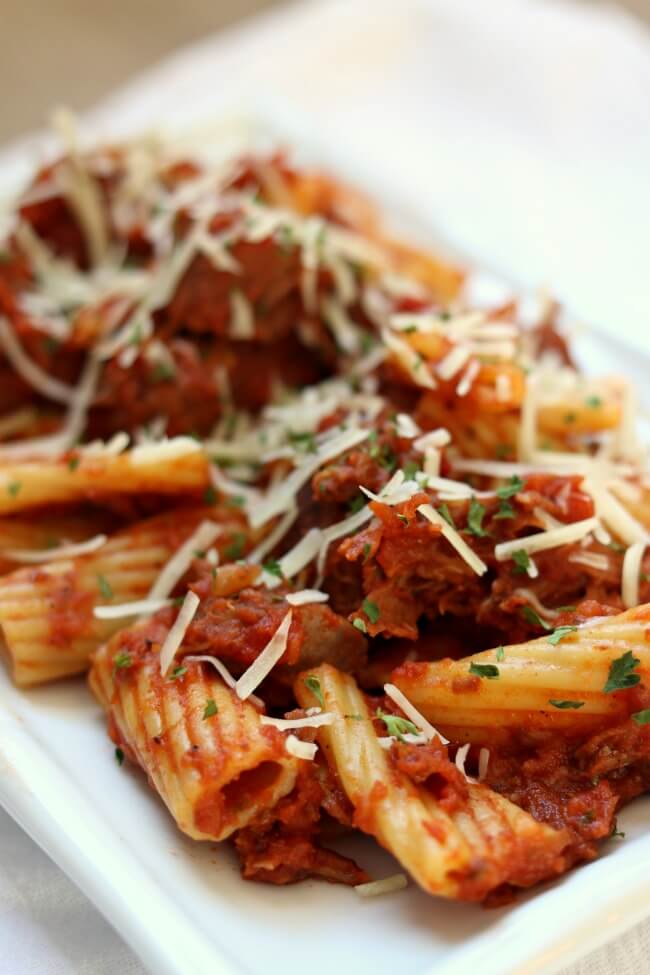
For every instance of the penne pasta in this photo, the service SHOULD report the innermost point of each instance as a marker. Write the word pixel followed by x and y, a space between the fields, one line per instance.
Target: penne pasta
pixel 212 762
pixel 26 484
pixel 47 622
pixel 462 853
pixel 513 687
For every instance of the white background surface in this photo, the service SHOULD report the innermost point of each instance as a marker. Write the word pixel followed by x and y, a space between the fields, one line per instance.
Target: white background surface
pixel 523 130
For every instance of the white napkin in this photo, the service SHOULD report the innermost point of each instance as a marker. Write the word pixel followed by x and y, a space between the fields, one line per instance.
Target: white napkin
pixel 522 129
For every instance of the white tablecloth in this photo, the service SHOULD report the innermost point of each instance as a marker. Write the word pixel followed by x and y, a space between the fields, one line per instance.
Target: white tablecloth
pixel 523 129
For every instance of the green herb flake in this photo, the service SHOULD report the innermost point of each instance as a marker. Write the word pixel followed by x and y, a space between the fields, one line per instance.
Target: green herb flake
pixel 357 503
pixel 486 671
pixel 273 567
pixel 104 587
pixel 503 450
pixel 642 717
pixel 533 618
pixel 560 633
pixel 305 442
pixel 593 402
pixel 411 467
pixel 360 624
pixel 209 496
pixel 616 833
pixel 501 654
pixel 366 551
pixel 514 486
pixel 475 518
pixel 210 709
pixel 73 463
pixel 13 488
pixel 236 548
pixel 521 558
pixel 570 418
pixel 371 610
pixel 444 512
pixel 119 756
pixel 313 684
pixel 177 672
pixel 566 705
pixel 621 673
pixel 163 372
pixel 122 661
pixel 505 510
pixel 397 727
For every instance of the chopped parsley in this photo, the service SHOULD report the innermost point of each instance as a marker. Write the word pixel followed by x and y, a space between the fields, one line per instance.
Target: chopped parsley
pixel 236 548
pixel 371 610
pixel 514 486
pixel 119 756
pixel 13 488
pixel 360 624
pixel 273 567
pixel 533 618
pixel 177 672
pixel 487 671
pixel 210 708
pixel 501 654
pixel 593 402
pixel 503 450
pixel 209 496
pixel 303 441
pixel 560 633
pixel 163 372
pixel 475 518
pixel 505 510
pixel 521 558
pixel 621 673
pixel 396 727
pixel 313 684
pixel 570 417
pixel 566 705
pixel 236 501
pixel 73 463
pixel 642 717
pixel 357 503
pixel 104 587
pixel 122 661
pixel 366 551
pixel 411 467
pixel 444 512
pixel 616 833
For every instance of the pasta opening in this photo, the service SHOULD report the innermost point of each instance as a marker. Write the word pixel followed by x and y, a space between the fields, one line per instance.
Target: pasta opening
pixel 243 790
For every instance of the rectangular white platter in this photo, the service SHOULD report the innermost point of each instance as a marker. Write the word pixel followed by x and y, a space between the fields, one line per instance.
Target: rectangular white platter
pixel 182 906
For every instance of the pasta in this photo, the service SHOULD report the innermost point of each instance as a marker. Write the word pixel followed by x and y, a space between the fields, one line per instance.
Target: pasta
pixel 272 480
pixel 210 759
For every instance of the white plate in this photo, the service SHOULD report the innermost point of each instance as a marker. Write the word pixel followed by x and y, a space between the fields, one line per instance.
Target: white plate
pixel 183 907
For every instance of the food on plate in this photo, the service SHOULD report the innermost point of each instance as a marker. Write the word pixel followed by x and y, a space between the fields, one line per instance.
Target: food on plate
pixel 339 547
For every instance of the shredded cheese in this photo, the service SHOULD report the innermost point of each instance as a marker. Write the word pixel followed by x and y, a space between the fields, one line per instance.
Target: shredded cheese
pixel 376 888
pixel 461 758
pixel 631 573
pixel 300 749
pixel 32 373
pixel 306 596
pixel 199 540
pixel 51 554
pixel 175 636
pixel 264 664
pixel 163 450
pixel 454 539
pixel 545 540
pixel 593 560
pixel 311 721
pixel 410 360
pixel 454 361
pixel 406 427
pixel 242 319
pixel 283 497
pixel 138 606
pixel 413 714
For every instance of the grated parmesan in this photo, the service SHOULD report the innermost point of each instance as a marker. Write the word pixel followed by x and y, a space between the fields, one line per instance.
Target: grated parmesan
pixel 51 554
pixel 264 664
pixel 175 636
